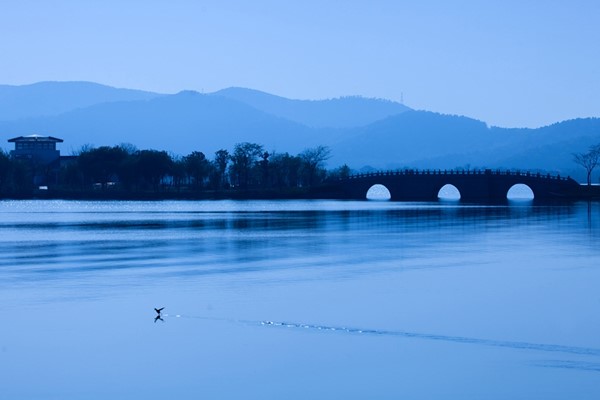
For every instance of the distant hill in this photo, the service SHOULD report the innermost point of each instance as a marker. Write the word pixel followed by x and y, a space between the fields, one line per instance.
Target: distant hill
pixel 53 98
pixel 412 136
pixel 553 147
pixel 429 140
pixel 180 123
pixel 190 121
pixel 345 112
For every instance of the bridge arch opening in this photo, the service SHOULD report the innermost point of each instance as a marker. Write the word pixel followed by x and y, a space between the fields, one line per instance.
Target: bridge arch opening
pixel 520 192
pixel 449 192
pixel 379 192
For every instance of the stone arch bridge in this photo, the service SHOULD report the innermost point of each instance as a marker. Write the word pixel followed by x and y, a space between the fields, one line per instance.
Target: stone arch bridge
pixel 473 185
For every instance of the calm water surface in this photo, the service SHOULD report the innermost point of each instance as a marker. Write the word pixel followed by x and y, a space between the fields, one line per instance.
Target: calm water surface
pixel 299 299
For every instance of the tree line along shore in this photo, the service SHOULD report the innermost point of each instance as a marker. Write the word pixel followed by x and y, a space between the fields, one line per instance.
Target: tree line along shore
pixel 248 171
pixel 124 172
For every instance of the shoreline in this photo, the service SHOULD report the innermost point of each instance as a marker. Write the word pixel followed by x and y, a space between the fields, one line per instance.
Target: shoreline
pixel 590 197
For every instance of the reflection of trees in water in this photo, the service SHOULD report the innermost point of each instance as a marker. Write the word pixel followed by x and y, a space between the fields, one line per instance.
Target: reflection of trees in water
pixel 223 242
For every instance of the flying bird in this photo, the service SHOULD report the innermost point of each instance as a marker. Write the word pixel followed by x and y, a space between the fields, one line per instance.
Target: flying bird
pixel 158 310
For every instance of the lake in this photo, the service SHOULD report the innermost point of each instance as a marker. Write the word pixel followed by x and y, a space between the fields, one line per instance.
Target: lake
pixel 299 300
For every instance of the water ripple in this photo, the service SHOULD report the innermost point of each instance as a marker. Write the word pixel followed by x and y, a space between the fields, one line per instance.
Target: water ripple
pixel 554 348
pixel 566 364
pixel 456 339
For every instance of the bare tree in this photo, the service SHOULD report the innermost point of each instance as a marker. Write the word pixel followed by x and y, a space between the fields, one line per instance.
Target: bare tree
pixel 588 160
pixel 313 160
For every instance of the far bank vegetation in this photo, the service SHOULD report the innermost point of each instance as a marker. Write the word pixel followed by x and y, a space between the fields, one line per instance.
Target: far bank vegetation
pixel 127 170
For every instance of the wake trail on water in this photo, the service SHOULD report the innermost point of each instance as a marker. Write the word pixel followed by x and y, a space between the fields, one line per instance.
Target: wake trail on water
pixel 554 348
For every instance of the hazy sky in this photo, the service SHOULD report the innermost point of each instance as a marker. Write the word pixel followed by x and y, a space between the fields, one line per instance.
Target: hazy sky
pixel 509 63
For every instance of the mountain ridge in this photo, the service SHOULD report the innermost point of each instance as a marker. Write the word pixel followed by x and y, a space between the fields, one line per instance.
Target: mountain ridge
pixel 342 112
pixel 53 98
pixel 180 123
pixel 191 121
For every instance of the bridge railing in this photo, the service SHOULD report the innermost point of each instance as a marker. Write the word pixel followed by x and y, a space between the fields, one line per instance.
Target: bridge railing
pixel 461 172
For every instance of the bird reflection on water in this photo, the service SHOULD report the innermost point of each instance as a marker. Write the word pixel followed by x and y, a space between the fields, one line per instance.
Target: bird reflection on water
pixel 158 314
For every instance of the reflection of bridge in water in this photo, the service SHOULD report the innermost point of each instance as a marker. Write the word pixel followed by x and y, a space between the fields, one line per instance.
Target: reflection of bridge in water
pixel 473 185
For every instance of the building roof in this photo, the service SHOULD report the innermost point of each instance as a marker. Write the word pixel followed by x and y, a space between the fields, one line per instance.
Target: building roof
pixel 36 138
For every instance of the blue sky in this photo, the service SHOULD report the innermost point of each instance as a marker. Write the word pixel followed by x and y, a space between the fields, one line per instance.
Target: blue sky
pixel 509 63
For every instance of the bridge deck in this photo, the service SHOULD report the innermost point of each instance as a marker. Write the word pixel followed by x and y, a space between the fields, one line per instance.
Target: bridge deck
pixel 473 185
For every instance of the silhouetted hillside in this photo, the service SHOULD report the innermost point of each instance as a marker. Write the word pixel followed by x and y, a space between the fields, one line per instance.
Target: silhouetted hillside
pixel 180 123
pixel 429 140
pixel 412 136
pixel 53 98
pixel 345 112
pixel 190 121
